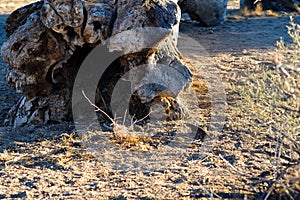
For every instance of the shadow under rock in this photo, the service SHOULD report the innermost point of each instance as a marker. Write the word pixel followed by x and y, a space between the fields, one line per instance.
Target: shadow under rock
pixel 8 96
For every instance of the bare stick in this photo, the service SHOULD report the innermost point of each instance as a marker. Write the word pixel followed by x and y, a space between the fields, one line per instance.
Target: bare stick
pixel 137 121
pixel 98 109
pixel 272 186
pixel 230 165
pixel 205 190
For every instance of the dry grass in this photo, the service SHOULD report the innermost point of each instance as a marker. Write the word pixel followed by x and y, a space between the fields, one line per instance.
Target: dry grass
pixel 289 55
pixel 269 106
pixel 258 12
pixel 133 137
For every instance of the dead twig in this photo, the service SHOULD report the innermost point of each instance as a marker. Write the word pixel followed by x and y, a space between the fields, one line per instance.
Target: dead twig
pixel 230 165
pixel 15 159
pixel 273 184
pixel 207 191
pixel 295 146
pixel 121 133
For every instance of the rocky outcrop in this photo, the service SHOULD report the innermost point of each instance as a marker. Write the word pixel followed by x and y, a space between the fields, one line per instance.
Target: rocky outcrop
pixel 276 5
pixel 208 13
pixel 48 41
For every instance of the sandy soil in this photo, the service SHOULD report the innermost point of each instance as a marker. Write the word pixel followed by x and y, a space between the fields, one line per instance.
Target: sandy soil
pixel 47 163
pixel 8 6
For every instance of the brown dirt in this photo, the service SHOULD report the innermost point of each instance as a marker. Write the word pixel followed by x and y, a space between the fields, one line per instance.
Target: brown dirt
pixel 248 161
pixel 7 6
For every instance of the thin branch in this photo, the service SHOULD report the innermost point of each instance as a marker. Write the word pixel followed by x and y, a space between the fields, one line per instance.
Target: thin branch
pixel 272 186
pixel 207 191
pixel 230 165
pixel 98 109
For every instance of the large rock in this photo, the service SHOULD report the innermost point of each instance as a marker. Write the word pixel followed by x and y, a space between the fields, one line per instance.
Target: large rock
pixel 48 40
pixel 208 13
pixel 276 5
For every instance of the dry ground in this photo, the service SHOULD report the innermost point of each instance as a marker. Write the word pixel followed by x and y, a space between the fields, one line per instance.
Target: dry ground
pixel 255 156
pixel 7 6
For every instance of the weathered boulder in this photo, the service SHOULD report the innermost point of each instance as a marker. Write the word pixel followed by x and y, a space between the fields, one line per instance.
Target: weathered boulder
pixel 208 13
pixel 276 5
pixel 48 41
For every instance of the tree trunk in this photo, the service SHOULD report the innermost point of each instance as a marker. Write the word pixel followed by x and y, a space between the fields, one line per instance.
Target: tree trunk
pixel 49 40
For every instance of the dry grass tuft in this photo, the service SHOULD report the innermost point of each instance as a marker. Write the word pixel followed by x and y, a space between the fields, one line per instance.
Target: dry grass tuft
pixel 134 137
pixel 290 54
pixel 258 12
pixel 126 137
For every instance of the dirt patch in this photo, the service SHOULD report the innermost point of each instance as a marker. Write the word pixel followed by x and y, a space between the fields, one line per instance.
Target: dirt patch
pixel 237 35
pixel 8 6
pixel 255 156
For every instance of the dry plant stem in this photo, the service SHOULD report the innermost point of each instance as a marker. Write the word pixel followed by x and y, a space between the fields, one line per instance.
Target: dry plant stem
pixel 287 66
pixel 276 162
pixel 230 165
pixel 119 131
pixel 284 71
pixel 272 186
pixel 98 109
pixel 207 191
pixel 287 191
pixel 294 142
pixel 15 159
